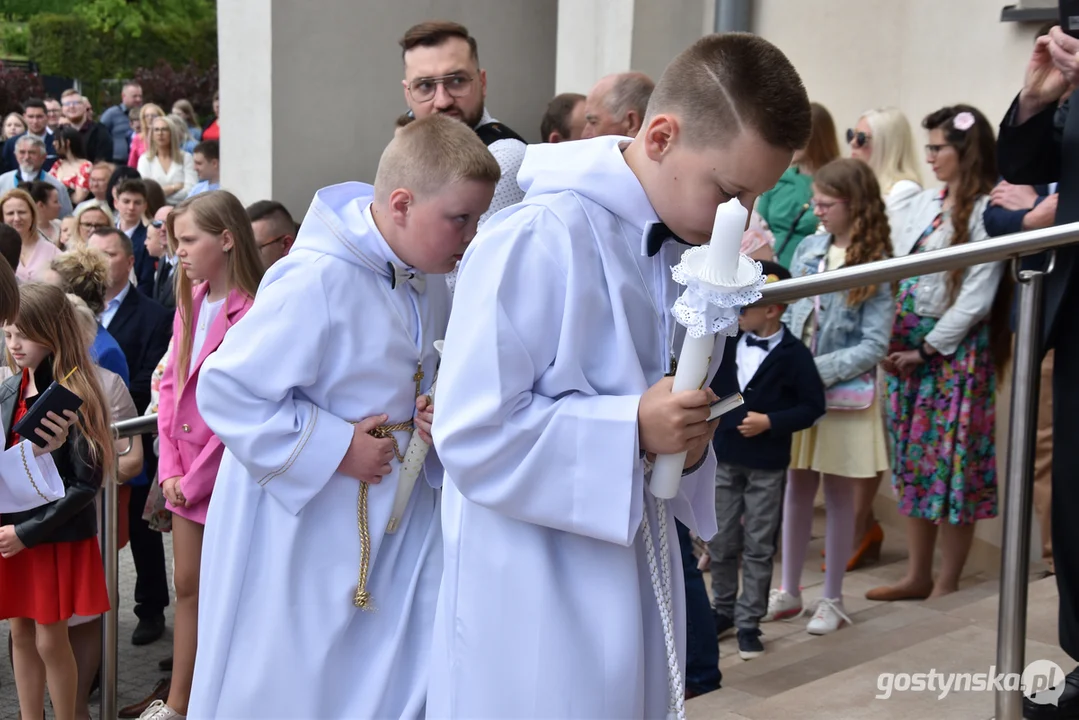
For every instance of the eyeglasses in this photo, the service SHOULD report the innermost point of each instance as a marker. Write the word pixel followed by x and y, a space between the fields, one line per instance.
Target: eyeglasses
pixel 92 226
pixel 276 240
pixel 860 139
pixel 423 89
pixel 73 103
pixel 157 224
pixel 934 150
pixel 825 206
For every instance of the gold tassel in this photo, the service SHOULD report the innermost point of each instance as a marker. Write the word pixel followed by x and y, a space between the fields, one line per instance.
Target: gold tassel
pixel 362 599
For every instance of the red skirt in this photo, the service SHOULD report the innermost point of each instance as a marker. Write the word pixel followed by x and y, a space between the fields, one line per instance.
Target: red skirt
pixel 53 581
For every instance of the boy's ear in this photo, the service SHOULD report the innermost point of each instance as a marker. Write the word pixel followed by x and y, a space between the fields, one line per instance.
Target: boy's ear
pixel 659 134
pixel 400 203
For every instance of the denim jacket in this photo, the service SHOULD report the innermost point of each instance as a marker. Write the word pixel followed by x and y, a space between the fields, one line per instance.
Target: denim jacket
pixel 979 285
pixel 850 340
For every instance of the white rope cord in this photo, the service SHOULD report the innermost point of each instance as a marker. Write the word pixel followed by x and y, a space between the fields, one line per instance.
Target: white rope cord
pixel 661 588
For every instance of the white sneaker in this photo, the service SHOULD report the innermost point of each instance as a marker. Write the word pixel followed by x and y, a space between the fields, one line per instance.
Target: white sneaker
pixel 828 617
pixel 158 710
pixel 782 605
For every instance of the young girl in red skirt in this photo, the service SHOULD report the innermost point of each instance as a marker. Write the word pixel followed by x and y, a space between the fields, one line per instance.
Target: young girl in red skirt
pixel 50 563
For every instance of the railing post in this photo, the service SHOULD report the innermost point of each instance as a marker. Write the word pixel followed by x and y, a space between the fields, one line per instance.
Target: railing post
pixel 1015 558
pixel 110 552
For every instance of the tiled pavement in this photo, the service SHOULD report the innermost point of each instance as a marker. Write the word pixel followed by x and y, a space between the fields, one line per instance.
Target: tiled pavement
pixel 137 665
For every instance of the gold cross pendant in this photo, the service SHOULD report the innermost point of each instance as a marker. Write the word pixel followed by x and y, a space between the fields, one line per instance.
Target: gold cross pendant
pixel 418 377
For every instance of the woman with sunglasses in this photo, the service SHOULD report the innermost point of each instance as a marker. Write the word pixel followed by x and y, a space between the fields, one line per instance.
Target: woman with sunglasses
pixel 786 207
pixel 951 338
pixel 882 139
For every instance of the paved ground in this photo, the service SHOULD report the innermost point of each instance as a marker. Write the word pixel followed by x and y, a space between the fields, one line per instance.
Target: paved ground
pixel 137 665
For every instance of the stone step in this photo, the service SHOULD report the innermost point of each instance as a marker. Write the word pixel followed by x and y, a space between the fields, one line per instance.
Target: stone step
pixel 840 675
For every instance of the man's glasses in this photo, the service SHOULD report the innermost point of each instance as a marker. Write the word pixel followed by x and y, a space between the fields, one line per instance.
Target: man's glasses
pixel 157 224
pixel 276 240
pixel 858 138
pixel 423 89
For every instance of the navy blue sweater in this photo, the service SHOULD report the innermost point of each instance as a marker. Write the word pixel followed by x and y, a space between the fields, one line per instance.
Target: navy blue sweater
pixel 786 388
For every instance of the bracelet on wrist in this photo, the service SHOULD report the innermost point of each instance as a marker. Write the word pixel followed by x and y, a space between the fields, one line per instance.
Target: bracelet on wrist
pixel 925 356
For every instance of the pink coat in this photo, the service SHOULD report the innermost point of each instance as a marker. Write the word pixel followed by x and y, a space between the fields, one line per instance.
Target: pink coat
pixel 189 448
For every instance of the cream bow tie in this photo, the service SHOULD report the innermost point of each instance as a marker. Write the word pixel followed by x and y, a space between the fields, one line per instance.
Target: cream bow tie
pixel 399 276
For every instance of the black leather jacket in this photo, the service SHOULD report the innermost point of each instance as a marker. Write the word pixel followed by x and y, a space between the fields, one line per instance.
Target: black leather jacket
pixel 74 516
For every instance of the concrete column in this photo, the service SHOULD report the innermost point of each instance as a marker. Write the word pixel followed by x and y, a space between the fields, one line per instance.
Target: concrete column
pixel 599 37
pixel 595 38
pixel 310 90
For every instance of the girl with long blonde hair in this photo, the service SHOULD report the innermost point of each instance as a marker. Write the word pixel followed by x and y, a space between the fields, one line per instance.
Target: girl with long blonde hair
pixel 212 237
pixel 50 564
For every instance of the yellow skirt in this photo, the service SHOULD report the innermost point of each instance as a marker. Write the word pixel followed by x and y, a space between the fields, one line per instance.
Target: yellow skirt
pixel 844 442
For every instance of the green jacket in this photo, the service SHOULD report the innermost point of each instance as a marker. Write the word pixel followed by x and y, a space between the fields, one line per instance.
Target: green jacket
pixel 781 205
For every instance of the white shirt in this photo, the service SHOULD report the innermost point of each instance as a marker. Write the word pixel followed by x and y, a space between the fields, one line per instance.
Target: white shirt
pixel 207 314
pixel 750 358
pixel 510 154
pixel 112 306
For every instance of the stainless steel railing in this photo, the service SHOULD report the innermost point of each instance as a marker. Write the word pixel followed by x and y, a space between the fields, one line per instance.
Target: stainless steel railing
pixel 1026 376
pixel 1015 560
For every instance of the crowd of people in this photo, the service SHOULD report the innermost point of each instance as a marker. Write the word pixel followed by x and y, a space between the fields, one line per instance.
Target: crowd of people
pixel 517 561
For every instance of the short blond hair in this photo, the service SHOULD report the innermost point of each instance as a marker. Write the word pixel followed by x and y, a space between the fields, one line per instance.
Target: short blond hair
pixel 726 83
pixel 428 154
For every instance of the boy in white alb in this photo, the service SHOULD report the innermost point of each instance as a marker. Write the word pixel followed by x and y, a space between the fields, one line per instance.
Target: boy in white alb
pixel 314 396
pixel 552 394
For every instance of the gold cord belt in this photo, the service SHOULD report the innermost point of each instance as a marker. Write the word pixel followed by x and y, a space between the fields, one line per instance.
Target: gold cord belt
pixel 362 600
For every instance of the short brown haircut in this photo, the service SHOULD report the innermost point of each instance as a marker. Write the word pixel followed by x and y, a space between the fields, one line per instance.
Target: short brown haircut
pixel 435 32
pixel 431 153
pixel 84 272
pixel 558 113
pixel 729 82
pixel 134 186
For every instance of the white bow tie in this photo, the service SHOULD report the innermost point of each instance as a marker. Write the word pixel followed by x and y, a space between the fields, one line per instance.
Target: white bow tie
pixel 399 276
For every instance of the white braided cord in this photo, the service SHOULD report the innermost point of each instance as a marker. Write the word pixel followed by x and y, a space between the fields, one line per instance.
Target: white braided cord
pixel 661 588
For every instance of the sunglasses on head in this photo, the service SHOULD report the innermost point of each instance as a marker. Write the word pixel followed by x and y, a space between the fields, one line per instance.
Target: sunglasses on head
pixel 858 138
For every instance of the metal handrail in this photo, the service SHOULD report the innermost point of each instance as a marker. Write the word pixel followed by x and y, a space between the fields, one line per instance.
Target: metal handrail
pixel 925 263
pixel 1011 624
pixel 142 425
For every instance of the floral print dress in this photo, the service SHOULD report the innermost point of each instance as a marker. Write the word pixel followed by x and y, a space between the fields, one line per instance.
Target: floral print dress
pixel 941 419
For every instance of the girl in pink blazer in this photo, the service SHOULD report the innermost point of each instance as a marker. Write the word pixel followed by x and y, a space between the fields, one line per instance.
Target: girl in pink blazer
pixel 212 236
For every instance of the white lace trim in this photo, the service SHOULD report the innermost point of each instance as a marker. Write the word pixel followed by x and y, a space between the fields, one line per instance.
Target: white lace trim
pixel 706 309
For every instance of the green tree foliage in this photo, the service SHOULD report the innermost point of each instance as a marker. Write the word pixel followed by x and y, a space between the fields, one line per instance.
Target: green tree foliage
pixel 97 40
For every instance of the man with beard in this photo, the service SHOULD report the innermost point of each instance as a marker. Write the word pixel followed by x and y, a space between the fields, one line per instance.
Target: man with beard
pixel 443 75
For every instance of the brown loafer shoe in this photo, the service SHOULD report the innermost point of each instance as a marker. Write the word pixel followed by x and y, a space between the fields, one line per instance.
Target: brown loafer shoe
pixel 160 692
pixel 892 593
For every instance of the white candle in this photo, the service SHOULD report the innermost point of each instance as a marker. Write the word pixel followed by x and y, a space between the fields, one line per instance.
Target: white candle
pixel 692 370
pixel 720 268
pixel 725 247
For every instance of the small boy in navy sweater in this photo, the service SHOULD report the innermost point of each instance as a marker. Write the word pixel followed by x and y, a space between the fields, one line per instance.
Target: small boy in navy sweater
pixel 783 393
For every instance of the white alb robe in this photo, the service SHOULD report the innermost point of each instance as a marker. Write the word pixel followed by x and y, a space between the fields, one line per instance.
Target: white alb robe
pixel 327 343
pixel 560 322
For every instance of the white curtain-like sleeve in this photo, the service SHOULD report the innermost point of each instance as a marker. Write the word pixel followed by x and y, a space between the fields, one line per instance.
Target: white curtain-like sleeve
pixel 27 482
pixel 569 461
pixel 250 392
